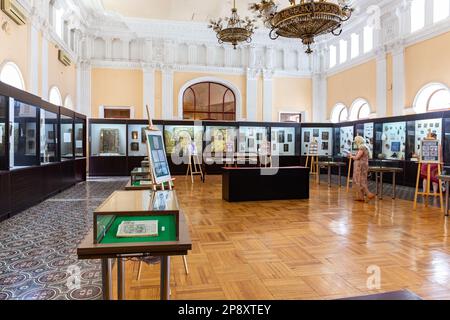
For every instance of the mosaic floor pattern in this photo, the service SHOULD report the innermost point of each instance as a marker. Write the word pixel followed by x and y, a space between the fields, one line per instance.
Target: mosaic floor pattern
pixel 38 246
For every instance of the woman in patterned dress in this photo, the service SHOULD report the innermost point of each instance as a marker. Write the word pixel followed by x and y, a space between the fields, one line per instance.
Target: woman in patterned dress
pixel 361 171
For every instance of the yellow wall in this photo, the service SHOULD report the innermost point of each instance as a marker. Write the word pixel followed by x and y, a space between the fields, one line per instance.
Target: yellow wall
pixel 292 94
pixel 181 78
pixel 65 78
pixel 158 94
pixel 349 85
pixel 14 46
pixel 117 87
pixel 425 62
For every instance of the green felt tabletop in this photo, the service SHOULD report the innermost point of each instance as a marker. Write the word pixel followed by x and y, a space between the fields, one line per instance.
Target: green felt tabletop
pixel 167 221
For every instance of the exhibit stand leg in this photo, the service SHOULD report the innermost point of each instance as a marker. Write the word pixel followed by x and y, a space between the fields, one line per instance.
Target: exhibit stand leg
pixel 120 279
pixel 107 279
pixel 165 278
pixel 349 176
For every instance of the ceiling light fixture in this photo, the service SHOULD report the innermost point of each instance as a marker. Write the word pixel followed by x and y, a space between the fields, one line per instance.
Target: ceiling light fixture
pixel 237 30
pixel 306 20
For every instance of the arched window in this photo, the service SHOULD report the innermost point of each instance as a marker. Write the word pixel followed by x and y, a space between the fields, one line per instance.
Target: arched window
pixel 68 102
pixel 432 97
pixel 360 110
pixel 339 113
pixel 55 96
pixel 10 74
pixel 209 101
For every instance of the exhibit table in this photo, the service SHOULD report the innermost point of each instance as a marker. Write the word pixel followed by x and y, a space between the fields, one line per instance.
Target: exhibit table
pixel 138 174
pixel 233 159
pixel 143 185
pixel 102 242
pixel 379 172
pixel 329 165
pixel 258 184
pixel 446 180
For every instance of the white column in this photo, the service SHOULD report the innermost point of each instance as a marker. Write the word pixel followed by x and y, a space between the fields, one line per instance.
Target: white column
pixel 270 54
pixel 267 95
pixel 381 107
pixel 229 51
pixel 44 71
pixel 319 83
pixel 252 94
pixel 210 55
pixel 398 62
pixel 108 48
pixel 149 91
pixel 192 54
pixel 126 49
pixel 429 12
pixel 84 88
pixel 167 94
pixel 34 59
pixel 169 52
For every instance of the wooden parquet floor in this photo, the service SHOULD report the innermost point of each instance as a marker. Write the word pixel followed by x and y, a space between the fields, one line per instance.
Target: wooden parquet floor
pixel 315 249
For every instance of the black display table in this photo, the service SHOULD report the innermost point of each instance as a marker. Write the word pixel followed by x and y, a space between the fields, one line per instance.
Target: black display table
pixel 257 184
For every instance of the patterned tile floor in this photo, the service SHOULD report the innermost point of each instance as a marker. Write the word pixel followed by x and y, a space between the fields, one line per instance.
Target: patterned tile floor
pixel 38 246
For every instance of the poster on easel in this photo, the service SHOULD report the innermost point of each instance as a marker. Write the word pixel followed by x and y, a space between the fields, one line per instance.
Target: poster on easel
pixel 157 157
pixel 430 151
pixel 313 149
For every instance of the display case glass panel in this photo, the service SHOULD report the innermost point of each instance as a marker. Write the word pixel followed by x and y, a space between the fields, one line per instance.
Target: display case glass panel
pixel 49 137
pixel 24 137
pixel 108 140
pixel 79 138
pixel 393 141
pixel 423 129
pixel 283 141
pixel 183 140
pixel 251 139
pixel 137 141
pixel 66 140
pixel 346 140
pixel 366 130
pixel 446 149
pixel 220 139
pixel 3 121
pixel 324 138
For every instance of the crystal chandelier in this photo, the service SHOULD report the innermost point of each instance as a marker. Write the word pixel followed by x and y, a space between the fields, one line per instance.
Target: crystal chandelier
pixel 237 30
pixel 305 21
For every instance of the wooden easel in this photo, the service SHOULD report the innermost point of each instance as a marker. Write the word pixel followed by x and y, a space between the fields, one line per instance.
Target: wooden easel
pixel 194 166
pixel 428 162
pixel 155 188
pixel 313 155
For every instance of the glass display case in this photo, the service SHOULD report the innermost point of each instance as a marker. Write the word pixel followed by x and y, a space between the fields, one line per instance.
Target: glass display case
pixel 24 137
pixel 366 130
pixel 324 138
pixel 220 139
pixel 66 140
pixel 3 121
pixel 108 140
pixel 392 139
pixel 251 139
pixel 346 138
pixel 283 141
pixel 49 137
pixel 179 139
pixel 423 128
pixel 80 130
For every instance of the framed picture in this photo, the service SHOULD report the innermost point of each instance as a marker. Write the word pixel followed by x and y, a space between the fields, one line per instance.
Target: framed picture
pixel 134 135
pixel 290 138
pixel 143 135
pixel 286 148
pixel 51 135
pixel 307 137
pixel 325 136
pixel 325 146
pixel 281 137
pixel 31 133
pixel 135 146
pixel 316 133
